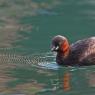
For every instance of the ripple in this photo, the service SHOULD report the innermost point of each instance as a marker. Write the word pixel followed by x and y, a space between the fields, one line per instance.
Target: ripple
pixel 51 65
pixel 40 60
pixel 45 12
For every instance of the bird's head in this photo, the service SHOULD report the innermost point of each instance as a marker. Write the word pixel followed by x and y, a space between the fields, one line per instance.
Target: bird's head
pixel 60 45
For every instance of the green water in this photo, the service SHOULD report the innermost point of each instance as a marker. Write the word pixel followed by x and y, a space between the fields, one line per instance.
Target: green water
pixel 26 28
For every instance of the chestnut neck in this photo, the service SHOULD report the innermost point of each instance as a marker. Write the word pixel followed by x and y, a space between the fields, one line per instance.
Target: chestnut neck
pixel 64 49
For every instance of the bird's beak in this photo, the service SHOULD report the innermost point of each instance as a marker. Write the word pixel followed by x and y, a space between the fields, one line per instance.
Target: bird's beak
pixel 54 48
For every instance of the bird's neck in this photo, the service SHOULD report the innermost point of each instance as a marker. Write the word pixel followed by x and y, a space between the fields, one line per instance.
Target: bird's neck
pixel 65 49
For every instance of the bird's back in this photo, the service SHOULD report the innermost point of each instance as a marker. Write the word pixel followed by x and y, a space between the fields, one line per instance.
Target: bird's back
pixel 82 52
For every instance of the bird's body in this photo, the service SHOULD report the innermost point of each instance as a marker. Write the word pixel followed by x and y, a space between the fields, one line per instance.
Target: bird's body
pixel 81 53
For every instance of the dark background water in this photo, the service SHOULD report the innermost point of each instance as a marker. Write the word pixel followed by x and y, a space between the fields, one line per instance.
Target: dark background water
pixel 27 27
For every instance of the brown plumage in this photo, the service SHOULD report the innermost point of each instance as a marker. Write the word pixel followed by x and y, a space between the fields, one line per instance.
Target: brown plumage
pixel 81 53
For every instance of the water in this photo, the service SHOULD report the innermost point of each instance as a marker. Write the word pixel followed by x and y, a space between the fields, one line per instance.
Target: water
pixel 27 66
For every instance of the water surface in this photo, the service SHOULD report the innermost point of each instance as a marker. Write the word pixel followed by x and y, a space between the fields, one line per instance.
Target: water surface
pixel 27 66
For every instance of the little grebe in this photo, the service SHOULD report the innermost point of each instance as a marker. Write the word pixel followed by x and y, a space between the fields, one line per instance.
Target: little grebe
pixel 81 53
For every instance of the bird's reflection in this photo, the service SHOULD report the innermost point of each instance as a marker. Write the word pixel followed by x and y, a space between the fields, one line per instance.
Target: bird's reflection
pixel 66 81
pixel 91 79
pixel 76 79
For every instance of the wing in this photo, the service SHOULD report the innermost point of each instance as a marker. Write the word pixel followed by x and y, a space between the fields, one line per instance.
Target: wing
pixel 84 51
pixel 89 60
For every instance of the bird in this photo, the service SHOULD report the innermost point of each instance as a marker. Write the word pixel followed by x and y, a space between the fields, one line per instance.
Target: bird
pixel 80 53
